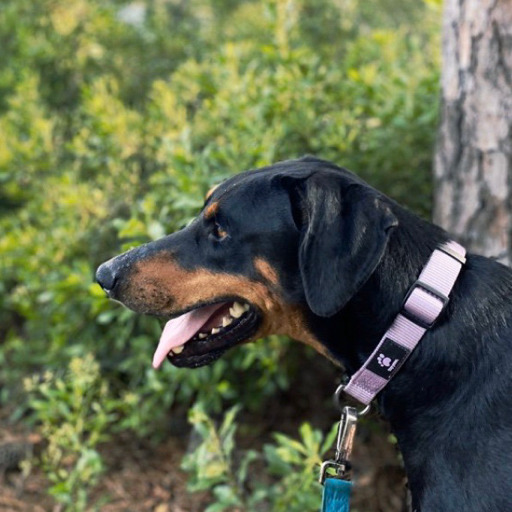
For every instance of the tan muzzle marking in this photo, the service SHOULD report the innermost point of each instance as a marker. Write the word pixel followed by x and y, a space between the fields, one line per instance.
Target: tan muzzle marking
pixel 162 286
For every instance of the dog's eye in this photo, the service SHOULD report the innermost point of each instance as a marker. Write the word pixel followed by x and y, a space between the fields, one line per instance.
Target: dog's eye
pixel 218 232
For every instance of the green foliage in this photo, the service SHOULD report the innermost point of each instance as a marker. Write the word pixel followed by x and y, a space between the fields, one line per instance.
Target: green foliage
pixel 211 464
pixel 234 483
pixel 297 464
pixel 74 413
pixel 111 132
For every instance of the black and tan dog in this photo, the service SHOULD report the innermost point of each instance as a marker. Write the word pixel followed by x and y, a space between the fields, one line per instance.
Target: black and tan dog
pixel 307 249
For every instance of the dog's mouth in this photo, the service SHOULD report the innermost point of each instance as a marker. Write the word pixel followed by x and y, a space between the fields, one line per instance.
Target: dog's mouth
pixel 202 335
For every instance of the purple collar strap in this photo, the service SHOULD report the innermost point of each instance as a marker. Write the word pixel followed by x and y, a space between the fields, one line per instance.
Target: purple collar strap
pixel 424 302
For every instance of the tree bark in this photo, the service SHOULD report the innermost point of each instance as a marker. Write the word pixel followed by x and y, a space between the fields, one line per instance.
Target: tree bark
pixel 473 162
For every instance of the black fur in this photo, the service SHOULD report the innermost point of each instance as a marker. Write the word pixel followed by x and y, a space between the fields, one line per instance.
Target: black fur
pixel 347 254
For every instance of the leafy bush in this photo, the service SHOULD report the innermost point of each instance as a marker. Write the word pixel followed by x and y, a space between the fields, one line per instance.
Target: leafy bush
pixel 75 413
pixel 236 486
pixel 112 131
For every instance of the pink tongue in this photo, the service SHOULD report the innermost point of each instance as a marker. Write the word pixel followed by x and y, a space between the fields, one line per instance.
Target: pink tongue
pixel 179 330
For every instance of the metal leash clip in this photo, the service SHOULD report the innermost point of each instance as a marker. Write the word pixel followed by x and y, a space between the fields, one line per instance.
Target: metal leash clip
pixel 345 441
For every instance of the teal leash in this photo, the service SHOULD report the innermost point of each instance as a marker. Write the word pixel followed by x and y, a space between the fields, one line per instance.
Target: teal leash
pixel 333 472
pixel 336 496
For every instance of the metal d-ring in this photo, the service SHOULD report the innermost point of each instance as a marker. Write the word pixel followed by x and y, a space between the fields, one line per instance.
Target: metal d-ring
pixel 338 401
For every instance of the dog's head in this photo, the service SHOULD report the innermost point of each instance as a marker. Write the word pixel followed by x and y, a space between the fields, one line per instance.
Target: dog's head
pixel 271 249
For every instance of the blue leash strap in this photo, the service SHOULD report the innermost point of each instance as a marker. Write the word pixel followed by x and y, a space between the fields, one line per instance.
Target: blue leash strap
pixel 336 495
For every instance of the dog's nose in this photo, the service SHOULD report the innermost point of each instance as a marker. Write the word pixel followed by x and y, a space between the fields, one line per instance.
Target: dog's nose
pixel 106 277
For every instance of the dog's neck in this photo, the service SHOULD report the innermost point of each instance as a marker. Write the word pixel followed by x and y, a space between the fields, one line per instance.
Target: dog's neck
pixel 427 401
pixel 361 324
pixel 352 335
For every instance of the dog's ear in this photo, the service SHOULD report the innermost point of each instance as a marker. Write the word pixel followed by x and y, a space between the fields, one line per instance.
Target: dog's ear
pixel 344 233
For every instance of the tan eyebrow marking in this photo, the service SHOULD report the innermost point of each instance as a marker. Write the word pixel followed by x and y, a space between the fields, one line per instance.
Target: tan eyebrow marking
pixel 210 192
pixel 211 211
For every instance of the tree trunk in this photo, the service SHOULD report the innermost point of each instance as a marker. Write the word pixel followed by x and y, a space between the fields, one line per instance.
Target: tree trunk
pixel 473 163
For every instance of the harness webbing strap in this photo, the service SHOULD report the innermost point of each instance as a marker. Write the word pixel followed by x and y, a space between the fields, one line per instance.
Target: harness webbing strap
pixel 425 301
pixel 336 496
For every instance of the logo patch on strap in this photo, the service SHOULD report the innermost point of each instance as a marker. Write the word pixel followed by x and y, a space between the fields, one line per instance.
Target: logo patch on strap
pixel 388 359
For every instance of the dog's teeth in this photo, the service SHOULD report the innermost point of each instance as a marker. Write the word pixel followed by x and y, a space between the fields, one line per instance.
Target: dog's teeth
pixel 178 350
pixel 236 310
pixel 246 307
pixel 215 330
pixel 226 321
pixel 202 335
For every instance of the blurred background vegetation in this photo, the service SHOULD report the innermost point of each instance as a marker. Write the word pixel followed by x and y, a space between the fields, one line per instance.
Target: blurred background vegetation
pixel 115 119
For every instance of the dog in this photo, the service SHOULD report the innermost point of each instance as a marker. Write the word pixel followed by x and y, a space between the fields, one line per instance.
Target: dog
pixel 307 249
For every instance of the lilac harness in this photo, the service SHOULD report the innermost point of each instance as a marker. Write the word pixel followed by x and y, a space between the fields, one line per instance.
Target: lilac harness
pixel 425 301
